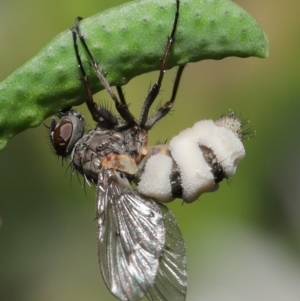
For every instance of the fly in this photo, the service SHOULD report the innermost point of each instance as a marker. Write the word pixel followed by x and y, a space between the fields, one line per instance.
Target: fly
pixel 140 247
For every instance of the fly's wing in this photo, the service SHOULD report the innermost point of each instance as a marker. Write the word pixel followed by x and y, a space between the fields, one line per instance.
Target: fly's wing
pixel 171 279
pixel 131 237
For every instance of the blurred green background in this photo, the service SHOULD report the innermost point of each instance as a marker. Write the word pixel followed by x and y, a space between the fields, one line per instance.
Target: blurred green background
pixel 243 241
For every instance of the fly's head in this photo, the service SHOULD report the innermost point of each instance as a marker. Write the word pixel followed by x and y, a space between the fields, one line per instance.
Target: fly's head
pixel 66 132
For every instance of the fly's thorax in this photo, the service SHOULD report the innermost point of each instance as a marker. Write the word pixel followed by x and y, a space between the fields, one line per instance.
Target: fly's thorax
pixel 194 162
pixel 108 149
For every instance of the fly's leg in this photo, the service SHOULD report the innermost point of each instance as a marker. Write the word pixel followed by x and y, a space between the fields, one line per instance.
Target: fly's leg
pixel 121 95
pixel 165 109
pixel 121 106
pixel 144 122
pixel 97 112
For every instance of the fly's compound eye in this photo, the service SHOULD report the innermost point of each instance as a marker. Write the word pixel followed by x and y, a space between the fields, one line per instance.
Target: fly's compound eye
pixel 65 133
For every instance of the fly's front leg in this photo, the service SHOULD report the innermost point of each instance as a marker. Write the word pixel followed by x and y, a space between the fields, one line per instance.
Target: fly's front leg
pixel 121 106
pixel 97 112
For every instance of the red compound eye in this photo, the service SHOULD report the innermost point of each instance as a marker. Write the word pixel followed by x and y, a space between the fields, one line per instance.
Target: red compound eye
pixel 61 137
pixel 65 133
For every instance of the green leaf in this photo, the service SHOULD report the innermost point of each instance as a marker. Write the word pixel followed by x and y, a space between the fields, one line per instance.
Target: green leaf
pixel 127 40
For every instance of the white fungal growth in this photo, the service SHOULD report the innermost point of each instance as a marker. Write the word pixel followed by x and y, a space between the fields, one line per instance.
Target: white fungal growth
pixel 196 175
pixel 227 147
pixel 202 155
pixel 158 168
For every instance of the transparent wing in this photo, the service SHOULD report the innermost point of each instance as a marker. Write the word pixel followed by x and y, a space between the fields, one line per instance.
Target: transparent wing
pixel 141 250
pixel 171 279
pixel 131 237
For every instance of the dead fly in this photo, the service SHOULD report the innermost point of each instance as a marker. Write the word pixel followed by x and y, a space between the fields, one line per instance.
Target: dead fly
pixel 140 248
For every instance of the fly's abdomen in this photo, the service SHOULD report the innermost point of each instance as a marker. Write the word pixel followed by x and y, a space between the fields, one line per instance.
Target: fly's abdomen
pixel 194 162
